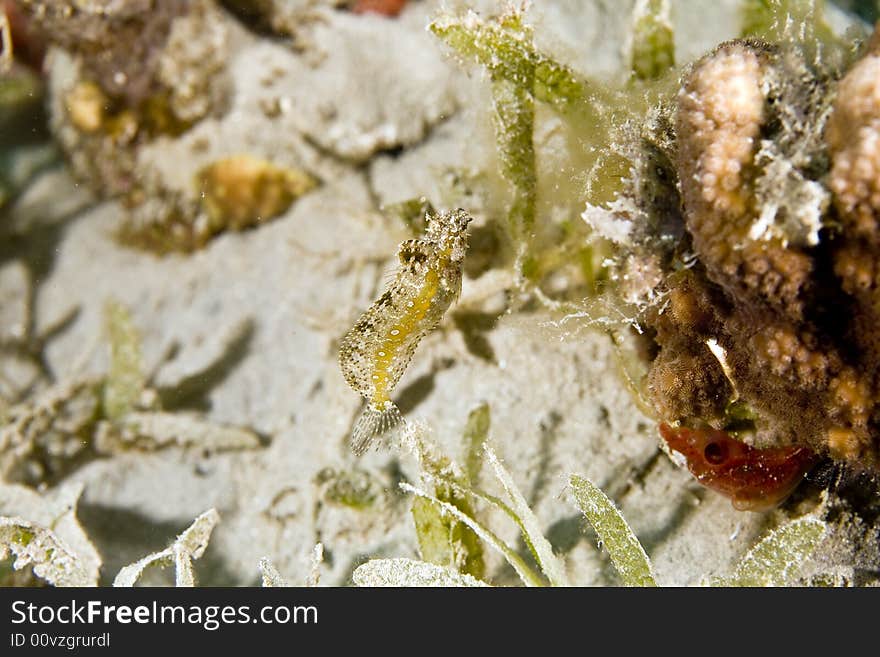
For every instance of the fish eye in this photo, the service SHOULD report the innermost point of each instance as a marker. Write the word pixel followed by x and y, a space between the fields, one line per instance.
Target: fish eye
pixel 715 453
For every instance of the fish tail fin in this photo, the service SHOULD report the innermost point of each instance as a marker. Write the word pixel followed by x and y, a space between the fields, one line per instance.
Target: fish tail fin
pixel 374 421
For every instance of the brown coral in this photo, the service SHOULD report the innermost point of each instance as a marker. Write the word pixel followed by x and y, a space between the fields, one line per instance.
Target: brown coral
pixel 716 356
pixel 689 386
pixel 853 137
pixel 722 109
pixel 854 142
pixel 771 332
pixel 790 355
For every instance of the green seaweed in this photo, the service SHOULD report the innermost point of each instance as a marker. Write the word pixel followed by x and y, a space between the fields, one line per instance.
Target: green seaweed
pixel 432 532
pixel 24 536
pixel 476 432
pixel 443 539
pixel 623 547
pixel 412 213
pixel 355 489
pixel 528 523
pixel 514 123
pixel 757 17
pixel 125 378
pixel 436 515
pixel 653 45
pixel 626 552
pixel 525 572
pixel 792 21
pixel 520 75
pixel 778 556
pixel 506 49
pixel 771 562
pixel 51 557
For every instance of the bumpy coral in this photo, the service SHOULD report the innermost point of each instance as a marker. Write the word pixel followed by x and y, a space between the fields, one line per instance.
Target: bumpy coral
pixel 722 110
pixel 689 385
pixel 768 380
pixel 785 353
pixel 767 324
pixel 853 138
pixel 854 141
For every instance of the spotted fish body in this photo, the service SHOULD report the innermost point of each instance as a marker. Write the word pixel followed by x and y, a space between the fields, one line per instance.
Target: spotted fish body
pixel 375 353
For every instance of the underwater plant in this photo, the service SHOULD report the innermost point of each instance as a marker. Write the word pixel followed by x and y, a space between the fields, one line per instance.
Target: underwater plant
pixel 54 431
pixel 271 576
pixel 190 545
pixel 43 536
pixel 446 512
pixel 775 560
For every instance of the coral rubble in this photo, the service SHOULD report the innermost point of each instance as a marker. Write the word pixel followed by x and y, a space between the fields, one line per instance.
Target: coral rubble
pixel 137 75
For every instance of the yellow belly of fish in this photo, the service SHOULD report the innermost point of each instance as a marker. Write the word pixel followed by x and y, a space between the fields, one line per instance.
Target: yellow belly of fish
pixel 389 349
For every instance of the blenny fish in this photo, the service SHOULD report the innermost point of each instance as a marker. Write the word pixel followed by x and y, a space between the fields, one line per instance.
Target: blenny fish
pixel 375 353
pixel 754 479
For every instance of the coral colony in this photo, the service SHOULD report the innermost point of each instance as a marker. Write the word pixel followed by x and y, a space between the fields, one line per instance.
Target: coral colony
pixel 771 334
